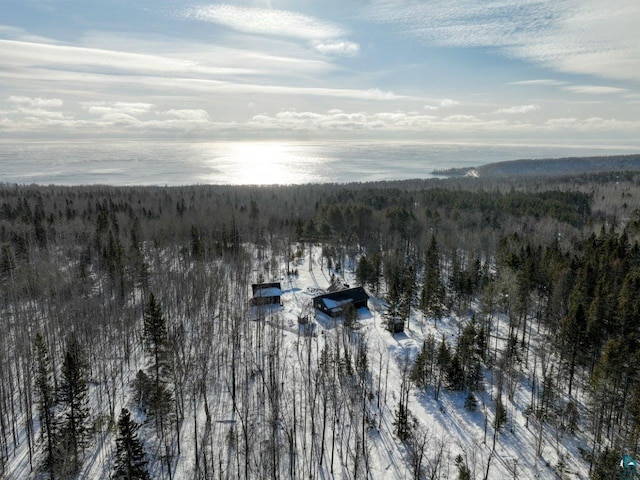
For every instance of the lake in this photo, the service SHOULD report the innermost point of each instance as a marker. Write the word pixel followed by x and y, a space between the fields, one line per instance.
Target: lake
pixel 230 163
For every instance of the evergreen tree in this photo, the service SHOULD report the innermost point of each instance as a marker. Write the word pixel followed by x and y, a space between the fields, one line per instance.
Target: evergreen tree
pixel 393 315
pixel 156 343
pixel 471 402
pixel 463 470
pixel 46 399
pixel 572 332
pixel 443 358
pixel 73 396
pixel 455 374
pixel 433 292
pixel 363 271
pixel 130 463
pixel 408 291
pixel 422 371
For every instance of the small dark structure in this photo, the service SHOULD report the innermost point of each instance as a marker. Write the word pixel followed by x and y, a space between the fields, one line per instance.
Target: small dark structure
pixel 334 303
pixel 628 469
pixel 395 325
pixel 266 293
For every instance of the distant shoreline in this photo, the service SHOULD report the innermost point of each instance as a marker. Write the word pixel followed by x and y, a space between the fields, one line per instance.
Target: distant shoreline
pixel 547 167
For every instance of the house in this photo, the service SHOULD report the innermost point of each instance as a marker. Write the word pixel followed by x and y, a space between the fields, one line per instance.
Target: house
pixel 266 293
pixel 333 303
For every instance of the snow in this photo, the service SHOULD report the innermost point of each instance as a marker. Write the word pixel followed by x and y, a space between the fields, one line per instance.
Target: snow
pixel 268 292
pixel 331 304
pixel 444 425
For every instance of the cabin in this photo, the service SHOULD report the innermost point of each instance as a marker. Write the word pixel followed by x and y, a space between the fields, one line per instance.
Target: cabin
pixel 333 303
pixel 266 293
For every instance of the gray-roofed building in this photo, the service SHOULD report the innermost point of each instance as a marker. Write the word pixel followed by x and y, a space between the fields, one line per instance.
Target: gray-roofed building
pixel 266 293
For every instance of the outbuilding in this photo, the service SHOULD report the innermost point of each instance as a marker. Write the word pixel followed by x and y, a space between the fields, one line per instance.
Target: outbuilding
pixel 266 293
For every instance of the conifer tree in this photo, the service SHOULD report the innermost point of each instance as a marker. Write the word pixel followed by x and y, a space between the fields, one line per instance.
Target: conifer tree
pixel 156 344
pixel 432 294
pixel 130 463
pixel 73 396
pixel 443 358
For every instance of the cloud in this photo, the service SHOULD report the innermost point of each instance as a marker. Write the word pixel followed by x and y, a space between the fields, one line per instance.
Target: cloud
pixel 448 102
pixel 594 89
pixel 189 115
pixel 591 124
pixel 31 54
pixel 40 113
pixel 399 121
pixel 324 37
pixel 263 21
pixel 575 36
pixel 518 109
pixel 36 102
pixel 108 108
pixel 547 82
pixel 341 47
pixel 444 103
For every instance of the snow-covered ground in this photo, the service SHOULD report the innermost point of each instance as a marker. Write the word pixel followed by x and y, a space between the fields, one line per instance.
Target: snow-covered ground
pixel 211 446
pixel 446 420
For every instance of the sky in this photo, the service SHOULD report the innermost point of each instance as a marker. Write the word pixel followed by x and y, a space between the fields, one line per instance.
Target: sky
pixel 494 71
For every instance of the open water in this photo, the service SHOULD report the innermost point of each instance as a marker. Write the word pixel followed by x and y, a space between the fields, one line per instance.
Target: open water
pixel 262 163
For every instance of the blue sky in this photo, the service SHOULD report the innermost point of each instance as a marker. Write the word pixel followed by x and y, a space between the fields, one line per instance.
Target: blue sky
pixel 504 71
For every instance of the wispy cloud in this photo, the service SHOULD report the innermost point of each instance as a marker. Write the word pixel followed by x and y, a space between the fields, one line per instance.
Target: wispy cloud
pixel 575 36
pixel 36 102
pixel 444 103
pixel 594 89
pixel 325 37
pixel 108 108
pixel 338 47
pixel 547 82
pixel 518 109
pixel 188 115
pixel 30 54
pixel 264 21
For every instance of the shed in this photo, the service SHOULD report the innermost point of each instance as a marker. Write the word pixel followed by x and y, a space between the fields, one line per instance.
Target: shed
pixel 266 293
pixel 333 303
pixel 628 468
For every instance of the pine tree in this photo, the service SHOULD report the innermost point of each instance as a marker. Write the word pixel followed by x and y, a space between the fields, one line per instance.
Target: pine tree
pixel 46 399
pixel 73 396
pixel 573 330
pixel 393 317
pixel 471 402
pixel 463 470
pixel 363 271
pixel 422 370
pixel 130 463
pixel 432 294
pixel 443 358
pixel 156 343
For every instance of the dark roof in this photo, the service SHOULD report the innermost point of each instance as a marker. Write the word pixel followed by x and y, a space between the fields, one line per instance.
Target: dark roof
pixel 266 289
pixel 356 294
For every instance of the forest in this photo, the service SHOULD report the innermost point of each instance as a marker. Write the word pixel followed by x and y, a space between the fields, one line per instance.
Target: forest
pixel 130 347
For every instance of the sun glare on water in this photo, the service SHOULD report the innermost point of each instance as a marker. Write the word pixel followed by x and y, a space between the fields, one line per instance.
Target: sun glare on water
pixel 264 163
